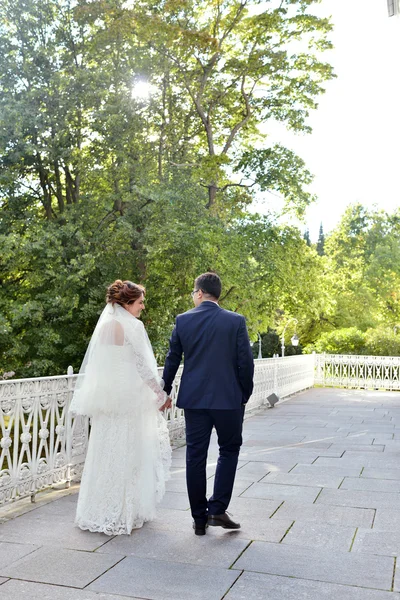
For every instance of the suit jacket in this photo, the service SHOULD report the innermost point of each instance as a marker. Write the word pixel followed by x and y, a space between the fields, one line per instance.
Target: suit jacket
pixel 218 363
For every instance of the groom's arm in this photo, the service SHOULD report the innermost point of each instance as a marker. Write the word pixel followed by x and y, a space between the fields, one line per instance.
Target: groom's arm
pixel 245 360
pixel 173 360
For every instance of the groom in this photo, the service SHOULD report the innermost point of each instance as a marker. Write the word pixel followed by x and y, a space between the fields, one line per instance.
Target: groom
pixel 217 382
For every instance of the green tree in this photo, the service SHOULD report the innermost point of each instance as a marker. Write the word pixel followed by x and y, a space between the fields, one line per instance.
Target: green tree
pixel 97 183
pixel 237 68
pixel 363 268
pixel 340 341
pixel 382 341
pixel 321 241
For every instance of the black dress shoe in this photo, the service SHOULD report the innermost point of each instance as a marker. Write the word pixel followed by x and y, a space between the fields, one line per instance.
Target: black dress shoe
pixel 222 521
pixel 200 528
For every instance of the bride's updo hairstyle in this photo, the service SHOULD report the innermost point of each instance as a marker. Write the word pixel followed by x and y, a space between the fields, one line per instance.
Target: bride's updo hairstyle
pixel 124 292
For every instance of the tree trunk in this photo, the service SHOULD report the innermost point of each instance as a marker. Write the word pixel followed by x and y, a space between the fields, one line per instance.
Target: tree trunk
pixel 44 184
pixel 72 187
pixel 77 187
pixel 59 190
pixel 212 193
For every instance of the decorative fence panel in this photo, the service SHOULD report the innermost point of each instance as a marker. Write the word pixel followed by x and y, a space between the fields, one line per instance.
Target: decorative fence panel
pixel 353 371
pixel 42 444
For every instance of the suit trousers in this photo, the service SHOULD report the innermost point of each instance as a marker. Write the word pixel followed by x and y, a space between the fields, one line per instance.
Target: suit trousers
pixel 199 424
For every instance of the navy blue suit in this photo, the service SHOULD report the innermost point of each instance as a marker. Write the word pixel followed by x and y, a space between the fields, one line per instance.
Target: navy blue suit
pixel 217 381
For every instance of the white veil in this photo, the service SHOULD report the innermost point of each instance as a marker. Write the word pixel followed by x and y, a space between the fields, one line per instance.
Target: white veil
pixel 119 370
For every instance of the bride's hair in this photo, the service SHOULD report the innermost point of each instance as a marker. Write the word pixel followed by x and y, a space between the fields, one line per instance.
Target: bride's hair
pixel 124 292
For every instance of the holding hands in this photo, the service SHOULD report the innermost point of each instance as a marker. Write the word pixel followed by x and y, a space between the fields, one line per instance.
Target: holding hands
pixel 167 404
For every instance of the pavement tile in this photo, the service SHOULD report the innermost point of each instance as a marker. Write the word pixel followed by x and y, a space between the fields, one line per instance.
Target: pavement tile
pixel 252 528
pixel 387 519
pixel 10 552
pixel 344 471
pixel 63 506
pixel 257 586
pixel 26 590
pixel 273 441
pixel 374 427
pixel 256 470
pixel 177 547
pixel 381 474
pixel 260 508
pixel 389 444
pixel 392 451
pixel 314 444
pixel 318 564
pixel 176 485
pixel 361 440
pixel 379 418
pixel 353 459
pixel 371 541
pixel 370 485
pixel 343 446
pixel 287 454
pixel 358 499
pixel 396 586
pixel 239 486
pixel 159 580
pixel 3 580
pixel 282 492
pixel 168 518
pixel 48 526
pixel 302 479
pixel 335 515
pixel 178 462
pixel 59 566
pixel 384 438
pixel 175 500
pixel 317 433
pixel 320 535
pixel 288 426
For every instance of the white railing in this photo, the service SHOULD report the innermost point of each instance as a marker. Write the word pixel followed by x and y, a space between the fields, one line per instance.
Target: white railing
pixel 354 371
pixel 282 376
pixel 41 444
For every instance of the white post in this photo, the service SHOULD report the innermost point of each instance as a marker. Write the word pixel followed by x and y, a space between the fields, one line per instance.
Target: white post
pixel 276 366
pixel 68 428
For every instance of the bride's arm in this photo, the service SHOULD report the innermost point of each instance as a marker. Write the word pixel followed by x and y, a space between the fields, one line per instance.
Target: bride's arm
pixel 148 377
pixel 143 355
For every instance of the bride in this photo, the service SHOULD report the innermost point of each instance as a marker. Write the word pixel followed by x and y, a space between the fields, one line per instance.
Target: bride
pixel 118 386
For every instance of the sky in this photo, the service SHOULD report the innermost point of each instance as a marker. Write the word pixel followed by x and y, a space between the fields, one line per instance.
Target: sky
pixel 354 148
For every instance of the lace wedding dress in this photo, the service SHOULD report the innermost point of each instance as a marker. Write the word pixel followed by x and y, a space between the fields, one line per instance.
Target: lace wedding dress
pixel 129 452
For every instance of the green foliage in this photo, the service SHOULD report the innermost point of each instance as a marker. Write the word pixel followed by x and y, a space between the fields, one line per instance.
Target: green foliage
pixel 340 341
pixel 98 184
pixel 281 170
pixel 382 342
pixel 363 269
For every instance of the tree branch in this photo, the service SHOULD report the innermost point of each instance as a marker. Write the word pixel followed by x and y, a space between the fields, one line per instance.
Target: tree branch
pixel 241 123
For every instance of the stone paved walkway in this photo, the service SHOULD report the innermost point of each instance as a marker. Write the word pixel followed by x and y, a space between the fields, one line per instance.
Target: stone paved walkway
pixel 317 493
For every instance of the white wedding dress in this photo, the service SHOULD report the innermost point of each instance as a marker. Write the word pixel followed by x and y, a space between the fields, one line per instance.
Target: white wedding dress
pixel 129 452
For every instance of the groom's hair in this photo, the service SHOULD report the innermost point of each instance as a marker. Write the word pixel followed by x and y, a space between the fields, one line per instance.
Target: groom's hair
pixel 209 283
